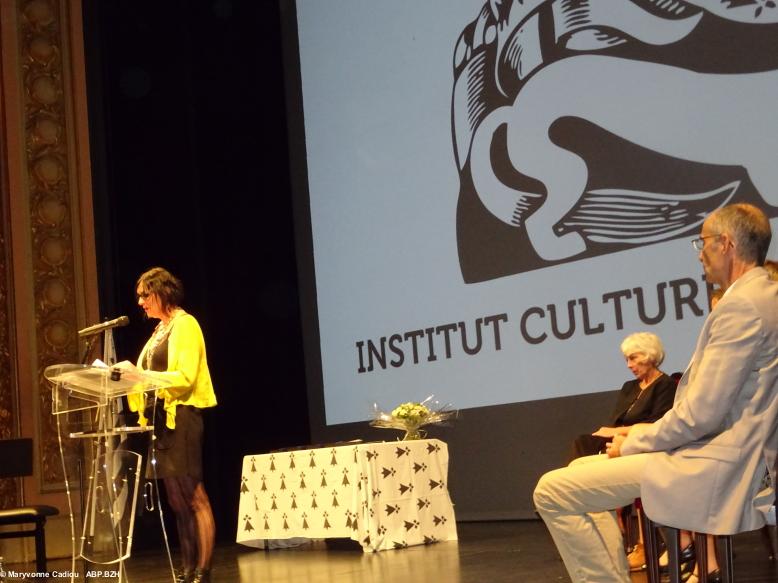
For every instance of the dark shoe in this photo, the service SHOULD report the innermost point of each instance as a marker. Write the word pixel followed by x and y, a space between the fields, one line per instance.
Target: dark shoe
pixel 183 575
pixel 201 575
pixel 713 577
pixel 688 565
pixel 686 557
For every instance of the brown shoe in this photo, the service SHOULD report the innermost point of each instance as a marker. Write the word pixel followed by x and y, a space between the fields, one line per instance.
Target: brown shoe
pixel 637 558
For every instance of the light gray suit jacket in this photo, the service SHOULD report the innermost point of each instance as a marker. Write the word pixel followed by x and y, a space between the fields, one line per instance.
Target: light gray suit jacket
pixel 721 435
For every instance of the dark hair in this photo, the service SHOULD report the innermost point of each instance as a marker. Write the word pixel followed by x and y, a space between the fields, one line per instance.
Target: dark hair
pixel 166 286
pixel 748 226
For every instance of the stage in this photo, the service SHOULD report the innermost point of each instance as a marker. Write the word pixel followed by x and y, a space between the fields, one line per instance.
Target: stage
pixel 487 552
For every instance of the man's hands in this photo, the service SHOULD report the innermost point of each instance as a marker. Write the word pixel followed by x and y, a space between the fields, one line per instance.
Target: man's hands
pixel 613 449
pixel 619 434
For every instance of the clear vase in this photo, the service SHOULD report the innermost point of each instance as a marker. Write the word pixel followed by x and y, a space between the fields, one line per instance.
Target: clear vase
pixel 413 433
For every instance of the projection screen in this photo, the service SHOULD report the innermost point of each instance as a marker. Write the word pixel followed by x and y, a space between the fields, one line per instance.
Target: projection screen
pixel 491 195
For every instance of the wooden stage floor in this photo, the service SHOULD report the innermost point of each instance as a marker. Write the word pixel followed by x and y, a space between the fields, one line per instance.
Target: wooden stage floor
pixel 487 552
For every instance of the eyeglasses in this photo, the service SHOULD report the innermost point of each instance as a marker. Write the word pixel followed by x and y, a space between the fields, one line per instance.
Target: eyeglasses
pixel 699 242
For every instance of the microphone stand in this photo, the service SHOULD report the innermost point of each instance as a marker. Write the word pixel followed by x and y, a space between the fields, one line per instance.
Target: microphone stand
pixel 104 424
pixel 90 345
pixel 106 331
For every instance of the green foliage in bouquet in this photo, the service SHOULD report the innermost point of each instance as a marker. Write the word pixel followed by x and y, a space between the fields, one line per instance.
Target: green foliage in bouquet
pixel 411 417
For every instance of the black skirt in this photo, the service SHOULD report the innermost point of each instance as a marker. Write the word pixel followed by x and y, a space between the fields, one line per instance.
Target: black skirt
pixel 589 445
pixel 179 451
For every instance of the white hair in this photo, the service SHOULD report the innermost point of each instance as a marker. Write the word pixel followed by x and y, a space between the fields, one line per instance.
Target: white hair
pixel 645 343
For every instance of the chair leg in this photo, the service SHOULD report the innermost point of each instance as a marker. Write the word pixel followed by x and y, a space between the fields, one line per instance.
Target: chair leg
pixel 767 540
pixel 40 545
pixel 640 528
pixel 728 568
pixel 673 539
pixel 701 556
pixel 650 547
pixel 626 523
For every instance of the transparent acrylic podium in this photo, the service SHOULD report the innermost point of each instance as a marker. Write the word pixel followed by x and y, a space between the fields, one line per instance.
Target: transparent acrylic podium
pixel 85 400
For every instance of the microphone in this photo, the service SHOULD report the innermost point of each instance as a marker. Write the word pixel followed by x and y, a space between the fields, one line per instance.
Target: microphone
pixel 115 323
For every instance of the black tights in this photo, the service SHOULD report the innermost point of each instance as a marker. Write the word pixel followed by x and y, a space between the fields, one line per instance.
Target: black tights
pixel 194 520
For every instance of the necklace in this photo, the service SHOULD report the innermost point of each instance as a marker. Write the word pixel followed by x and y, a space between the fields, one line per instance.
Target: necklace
pixel 648 383
pixel 160 334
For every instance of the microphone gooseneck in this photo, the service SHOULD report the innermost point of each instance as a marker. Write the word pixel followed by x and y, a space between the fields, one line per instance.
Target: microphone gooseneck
pixel 95 329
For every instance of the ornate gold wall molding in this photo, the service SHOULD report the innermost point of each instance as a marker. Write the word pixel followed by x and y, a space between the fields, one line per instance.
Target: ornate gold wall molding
pixel 49 247
pixel 51 208
pixel 9 488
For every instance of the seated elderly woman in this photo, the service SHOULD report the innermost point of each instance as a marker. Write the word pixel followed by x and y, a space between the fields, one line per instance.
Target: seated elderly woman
pixel 642 400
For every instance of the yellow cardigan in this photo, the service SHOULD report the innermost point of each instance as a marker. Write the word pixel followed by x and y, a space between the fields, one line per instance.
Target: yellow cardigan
pixel 187 371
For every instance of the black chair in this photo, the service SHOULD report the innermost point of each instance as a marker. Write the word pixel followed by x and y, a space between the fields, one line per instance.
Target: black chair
pixel 767 538
pixel 673 541
pixel 16 462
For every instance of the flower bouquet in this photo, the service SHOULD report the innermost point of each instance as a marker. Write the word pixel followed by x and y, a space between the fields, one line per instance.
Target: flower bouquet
pixel 411 417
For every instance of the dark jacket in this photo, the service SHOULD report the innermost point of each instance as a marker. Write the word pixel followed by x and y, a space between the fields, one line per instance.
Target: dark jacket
pixel 632 406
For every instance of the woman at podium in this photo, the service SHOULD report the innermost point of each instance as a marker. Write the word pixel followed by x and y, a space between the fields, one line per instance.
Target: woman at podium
pixel 176 350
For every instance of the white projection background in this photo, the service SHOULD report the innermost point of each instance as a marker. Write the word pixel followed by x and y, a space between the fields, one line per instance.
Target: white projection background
pixel 421 241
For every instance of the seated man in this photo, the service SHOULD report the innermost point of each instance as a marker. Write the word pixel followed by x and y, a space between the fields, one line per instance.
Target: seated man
pixel 702 464
pixel 644 399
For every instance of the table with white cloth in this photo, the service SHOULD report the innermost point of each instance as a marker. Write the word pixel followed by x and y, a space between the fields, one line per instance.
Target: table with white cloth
pixel 385 495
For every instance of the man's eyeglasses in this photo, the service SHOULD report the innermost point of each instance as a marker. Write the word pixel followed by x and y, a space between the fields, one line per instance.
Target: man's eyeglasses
pixel 699 242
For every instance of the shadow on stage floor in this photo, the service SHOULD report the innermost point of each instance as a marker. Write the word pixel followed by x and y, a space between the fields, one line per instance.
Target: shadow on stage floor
pixel 487 552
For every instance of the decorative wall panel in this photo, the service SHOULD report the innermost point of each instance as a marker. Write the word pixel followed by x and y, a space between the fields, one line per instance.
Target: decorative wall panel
pixel 51 208
pixel 9 494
